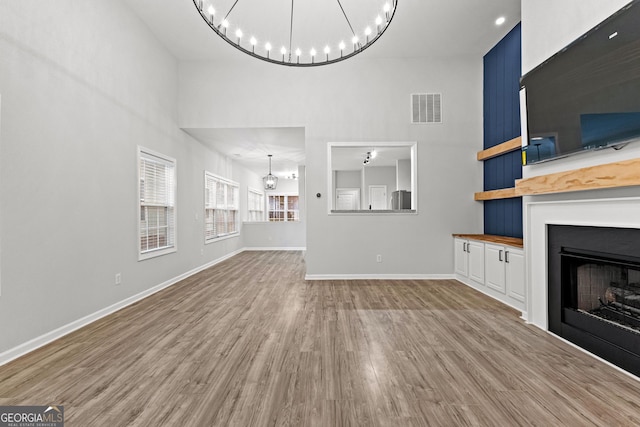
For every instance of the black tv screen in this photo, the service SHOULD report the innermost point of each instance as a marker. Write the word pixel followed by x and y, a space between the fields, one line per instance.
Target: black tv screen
pixel 587 96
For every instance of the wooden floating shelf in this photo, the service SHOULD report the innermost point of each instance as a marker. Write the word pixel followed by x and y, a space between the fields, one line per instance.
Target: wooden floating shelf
pixel 505 193
pixel 505 147
pixel 619 174
pixel 500 240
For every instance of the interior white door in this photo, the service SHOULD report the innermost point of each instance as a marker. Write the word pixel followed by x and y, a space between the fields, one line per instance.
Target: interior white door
pixel 347 199
pixel 378 197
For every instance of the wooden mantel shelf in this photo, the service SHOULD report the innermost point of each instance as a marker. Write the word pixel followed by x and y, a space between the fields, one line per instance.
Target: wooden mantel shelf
pixel 619 174
pixel 504 193
pixel 505 147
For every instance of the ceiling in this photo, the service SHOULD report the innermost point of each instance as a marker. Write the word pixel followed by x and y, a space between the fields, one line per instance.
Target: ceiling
pixel 420 28
pixel 251 146
pixel 351 158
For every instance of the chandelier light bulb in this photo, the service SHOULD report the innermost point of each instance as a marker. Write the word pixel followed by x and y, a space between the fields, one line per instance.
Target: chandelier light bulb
pixel 313 54
pixel 283 51
pixel 386 9
pixel 211 10
pixel 341 46
pixel 239 34
pixel 374 154
pixel 354 40
pixel 225 23
pixel 378 22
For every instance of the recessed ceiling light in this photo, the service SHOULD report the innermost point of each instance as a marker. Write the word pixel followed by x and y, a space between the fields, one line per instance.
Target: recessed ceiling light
pixel 500 20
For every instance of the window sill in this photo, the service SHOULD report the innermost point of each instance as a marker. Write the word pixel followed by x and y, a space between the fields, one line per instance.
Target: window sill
pixel 219 238
pixel 156 253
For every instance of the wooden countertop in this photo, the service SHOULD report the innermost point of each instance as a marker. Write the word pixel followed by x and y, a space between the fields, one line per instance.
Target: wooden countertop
pixel 500 240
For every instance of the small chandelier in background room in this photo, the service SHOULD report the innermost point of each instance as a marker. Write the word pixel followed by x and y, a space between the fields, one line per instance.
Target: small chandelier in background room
pixel 273 32
pixel 270 181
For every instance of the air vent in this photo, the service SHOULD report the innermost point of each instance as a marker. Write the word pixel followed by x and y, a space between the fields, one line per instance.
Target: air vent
pixel 426 108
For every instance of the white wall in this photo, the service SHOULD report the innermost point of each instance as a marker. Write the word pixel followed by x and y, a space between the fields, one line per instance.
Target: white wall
pixel 348 179
pixel 547 27
pixel 361 100
pixel 403 174
pixel 83 84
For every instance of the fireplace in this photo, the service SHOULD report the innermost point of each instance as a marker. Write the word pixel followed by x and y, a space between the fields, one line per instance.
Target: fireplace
pixel 594 290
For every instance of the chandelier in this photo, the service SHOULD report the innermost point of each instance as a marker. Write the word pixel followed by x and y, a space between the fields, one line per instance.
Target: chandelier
pixel 270 181
pixel 294 35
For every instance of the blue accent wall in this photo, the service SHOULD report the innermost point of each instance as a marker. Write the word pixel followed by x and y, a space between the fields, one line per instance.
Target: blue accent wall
pixel 502 71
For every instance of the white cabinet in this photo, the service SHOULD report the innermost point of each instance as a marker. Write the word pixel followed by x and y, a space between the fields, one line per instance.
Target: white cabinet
pixel 461 260
pixel 504 270
pixel 494 256
pixel 469 259
pixel 514 274
pixel 494 269
pixel 476 261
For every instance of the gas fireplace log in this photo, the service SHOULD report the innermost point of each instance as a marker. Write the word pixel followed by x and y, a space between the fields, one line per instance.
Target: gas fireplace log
pixel 622 296
pixel 624 307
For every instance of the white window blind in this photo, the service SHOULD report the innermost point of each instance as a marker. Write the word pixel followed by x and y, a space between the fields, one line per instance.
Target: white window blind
pixel 255 205
pixel 221 205
pixel 283 208
pixel 157 209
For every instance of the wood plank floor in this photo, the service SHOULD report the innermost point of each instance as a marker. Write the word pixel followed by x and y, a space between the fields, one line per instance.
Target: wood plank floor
pixel 249 342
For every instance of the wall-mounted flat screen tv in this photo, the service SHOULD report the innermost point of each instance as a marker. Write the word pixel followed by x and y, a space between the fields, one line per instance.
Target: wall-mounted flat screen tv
pixel 587 96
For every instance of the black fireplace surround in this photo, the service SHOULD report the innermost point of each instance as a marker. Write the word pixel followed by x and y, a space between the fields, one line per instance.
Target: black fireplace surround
pixel 594 290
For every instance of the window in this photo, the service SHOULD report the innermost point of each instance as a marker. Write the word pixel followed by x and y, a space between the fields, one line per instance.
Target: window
pixel 255 205
pixel 221 200
pixel 283 208
pixel 157 208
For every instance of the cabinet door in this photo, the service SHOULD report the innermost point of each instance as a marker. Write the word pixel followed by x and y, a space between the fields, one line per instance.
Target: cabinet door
pixel 460 260
pixel 494 266
pixel 514 263
pixel 475 250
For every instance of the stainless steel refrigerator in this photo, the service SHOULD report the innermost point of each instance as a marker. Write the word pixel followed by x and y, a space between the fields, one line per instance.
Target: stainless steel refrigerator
pixel 401 200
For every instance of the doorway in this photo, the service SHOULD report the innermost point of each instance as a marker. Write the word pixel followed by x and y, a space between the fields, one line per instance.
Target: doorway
pixel 378 197
pixel 347 199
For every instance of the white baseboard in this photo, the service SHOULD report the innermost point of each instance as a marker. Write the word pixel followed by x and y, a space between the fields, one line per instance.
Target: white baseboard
pixel 379 276
pixel 492 294
pixel 267 248
pixel 45 339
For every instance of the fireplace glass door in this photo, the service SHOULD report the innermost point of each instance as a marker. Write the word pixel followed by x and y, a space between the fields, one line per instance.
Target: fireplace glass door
pixel 602 288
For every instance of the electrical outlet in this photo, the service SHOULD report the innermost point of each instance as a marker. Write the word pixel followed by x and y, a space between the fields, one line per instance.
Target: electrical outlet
pixel 378 258
pixel 118 278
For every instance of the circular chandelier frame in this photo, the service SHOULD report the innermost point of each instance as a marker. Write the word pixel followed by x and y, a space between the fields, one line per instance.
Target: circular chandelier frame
pixel 287 58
